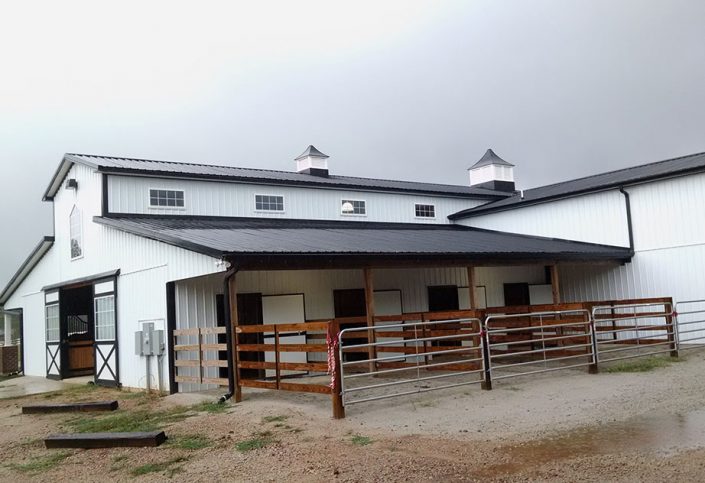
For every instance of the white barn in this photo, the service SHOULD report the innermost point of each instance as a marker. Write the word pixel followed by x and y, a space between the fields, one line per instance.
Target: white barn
pixel 187 246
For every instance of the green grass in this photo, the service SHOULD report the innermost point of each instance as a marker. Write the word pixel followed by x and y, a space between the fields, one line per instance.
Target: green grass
pixel 361 440
pixel 190 442
pixel 210 407
pixel 40 465
pixel 642 365
pixel 127 421
pixel 168 466
pixel 274 419
pixel 260 441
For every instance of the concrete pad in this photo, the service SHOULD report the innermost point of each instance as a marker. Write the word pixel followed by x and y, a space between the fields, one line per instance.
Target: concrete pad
pixel 28 385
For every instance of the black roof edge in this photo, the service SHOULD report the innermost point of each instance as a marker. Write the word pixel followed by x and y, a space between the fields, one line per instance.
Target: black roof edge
pixel 15 280
pixel 150 234
pixel 88 278
pixel 304 183
pixel 64 161
pixel 485 209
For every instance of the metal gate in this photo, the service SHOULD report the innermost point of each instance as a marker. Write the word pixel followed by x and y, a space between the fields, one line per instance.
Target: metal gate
pixel 690 323
pixel 425 356
pixel 633 330
pixel 532 343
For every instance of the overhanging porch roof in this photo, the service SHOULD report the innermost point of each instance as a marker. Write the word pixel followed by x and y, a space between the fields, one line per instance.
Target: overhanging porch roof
pixel 285 243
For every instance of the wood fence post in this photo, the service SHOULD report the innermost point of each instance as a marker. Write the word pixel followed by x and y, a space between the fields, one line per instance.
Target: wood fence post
pixel 336 396
pixel 232 299
pixel 370 315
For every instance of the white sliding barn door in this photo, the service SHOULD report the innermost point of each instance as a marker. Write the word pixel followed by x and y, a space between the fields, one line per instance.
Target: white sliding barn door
pixel 106 342
pixel 284 309
pixel 52 320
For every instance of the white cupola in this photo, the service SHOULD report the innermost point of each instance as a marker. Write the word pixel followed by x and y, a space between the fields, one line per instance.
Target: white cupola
pixel 312 161
pixel 492 172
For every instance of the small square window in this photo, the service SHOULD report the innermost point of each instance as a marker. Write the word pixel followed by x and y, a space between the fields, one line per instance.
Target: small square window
pixel 166 198
pixel 269 203
pixel 425 211
pixel 353 207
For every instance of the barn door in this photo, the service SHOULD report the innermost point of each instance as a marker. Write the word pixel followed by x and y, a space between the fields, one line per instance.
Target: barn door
pixel 53 334
pixel 106 334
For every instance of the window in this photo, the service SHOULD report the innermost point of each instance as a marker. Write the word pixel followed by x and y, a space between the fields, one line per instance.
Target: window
pixel 52 321
pixel 425 211
pixel 269 203
pixel 76 233
pixel 105 318
pixel 166 198
pixel 353 207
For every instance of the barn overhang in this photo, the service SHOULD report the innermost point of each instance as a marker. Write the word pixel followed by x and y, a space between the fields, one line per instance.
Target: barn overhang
pixel 257 244
pixel 27 266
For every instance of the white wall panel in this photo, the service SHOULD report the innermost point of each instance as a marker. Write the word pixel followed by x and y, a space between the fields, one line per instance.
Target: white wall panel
pixel 596 218
pixel 129 194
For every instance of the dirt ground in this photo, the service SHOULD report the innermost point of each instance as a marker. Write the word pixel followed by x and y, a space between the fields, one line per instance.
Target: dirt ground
pixel 568 426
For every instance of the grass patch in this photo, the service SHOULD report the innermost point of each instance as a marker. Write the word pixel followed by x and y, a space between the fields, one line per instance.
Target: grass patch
pixel 168 466
pixel 274 419
pixel 642 365
pixel 260 441
pixel 209 407
pixel 191 442
pixel 359 440
pixel 127 421
pixel 40 465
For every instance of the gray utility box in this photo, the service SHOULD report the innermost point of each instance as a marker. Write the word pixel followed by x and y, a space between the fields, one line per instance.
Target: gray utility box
pixel 149 342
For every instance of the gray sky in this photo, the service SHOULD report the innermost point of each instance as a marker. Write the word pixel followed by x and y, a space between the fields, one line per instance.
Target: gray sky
pixel 396 89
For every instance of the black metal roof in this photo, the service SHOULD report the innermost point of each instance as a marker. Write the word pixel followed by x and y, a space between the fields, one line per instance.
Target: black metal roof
pixel 110 164
pixel 598 182
pixel 490 158
pixel 256 237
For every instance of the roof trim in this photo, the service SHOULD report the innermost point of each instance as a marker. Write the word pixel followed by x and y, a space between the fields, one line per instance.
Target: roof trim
pixel 27 266
pixel 62 170
pixel 89 278
pixel 489 208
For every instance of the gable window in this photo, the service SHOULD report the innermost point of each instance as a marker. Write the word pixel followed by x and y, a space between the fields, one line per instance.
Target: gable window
pixel 425 211
pixel 353 207
pixel 76 233
pixel 269 203
pixel 166 198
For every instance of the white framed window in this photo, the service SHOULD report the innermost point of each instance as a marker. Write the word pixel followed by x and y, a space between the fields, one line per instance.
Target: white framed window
pixel 52 322
pixel 105 317
pixel 425 211
pixel 76 233
pixel 269 203
pixel 353 207
pixel 159 198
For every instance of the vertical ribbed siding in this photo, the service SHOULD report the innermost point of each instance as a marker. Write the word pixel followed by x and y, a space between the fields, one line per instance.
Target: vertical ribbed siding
pixel 131 195
pixel 596 218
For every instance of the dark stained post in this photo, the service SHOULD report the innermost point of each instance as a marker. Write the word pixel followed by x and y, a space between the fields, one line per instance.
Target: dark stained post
pixel 473 301
pixel 336 396
pixel 370 314
pixel 555 285
pixel 672 328
pixel 232 299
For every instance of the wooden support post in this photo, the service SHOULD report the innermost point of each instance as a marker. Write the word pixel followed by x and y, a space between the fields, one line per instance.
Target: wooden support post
pixel 672 328
pixel 336 396
pixel 277 357
pixel 232 299
pixel 473 302
pixel 555 285
pixel 370 314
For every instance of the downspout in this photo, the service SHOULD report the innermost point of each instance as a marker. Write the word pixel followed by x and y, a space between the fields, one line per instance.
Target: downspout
pixel 228 335
pixel 628 205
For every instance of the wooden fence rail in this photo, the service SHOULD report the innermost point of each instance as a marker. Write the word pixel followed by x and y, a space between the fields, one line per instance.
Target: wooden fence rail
pixel 200 349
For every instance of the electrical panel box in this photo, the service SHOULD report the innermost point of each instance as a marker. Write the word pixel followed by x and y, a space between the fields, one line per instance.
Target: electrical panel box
pixel 149 342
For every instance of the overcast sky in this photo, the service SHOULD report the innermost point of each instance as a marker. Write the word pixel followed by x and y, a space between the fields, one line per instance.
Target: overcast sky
pixel 393 89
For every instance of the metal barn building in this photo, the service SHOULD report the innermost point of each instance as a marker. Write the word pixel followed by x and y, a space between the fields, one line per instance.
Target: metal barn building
pixel 206 254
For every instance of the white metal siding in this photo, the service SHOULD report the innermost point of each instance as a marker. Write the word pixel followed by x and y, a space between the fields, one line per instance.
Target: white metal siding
pixel 128 194
pixel 146 266
pixel 596 218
